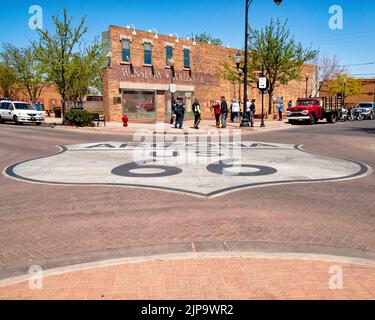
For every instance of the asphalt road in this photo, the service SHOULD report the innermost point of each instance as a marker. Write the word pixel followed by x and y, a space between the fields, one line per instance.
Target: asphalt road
pixel 60 225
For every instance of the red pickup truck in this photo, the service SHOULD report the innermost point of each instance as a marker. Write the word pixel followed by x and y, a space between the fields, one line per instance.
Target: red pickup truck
pixel 312 110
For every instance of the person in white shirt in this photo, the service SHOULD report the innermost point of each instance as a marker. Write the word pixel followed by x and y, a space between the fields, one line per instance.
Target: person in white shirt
pixel 236 109
pixel 248 109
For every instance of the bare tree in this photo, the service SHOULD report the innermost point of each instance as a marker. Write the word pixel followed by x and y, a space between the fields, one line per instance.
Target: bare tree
pixel 326 69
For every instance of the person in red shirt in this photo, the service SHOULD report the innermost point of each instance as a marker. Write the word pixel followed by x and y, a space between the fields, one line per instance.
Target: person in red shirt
pixel 215 106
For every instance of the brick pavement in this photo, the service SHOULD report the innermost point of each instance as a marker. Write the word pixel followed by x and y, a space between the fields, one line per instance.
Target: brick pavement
pixel 204 278
pixel 333 215
pixel 205 126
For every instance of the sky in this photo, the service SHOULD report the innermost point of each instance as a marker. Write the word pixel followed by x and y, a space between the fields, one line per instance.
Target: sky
pixel 308 21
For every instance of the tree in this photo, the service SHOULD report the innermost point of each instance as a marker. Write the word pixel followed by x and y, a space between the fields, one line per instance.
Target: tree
pixel 207 38
pixel 326 69
pixel 87 66
pixel 282 58
pixel 57 52
pixel 8 81
pixel 29 71
pixel 345 85
pixel 228 71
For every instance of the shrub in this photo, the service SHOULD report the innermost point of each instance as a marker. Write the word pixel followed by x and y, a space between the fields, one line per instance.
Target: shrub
pixel 79 118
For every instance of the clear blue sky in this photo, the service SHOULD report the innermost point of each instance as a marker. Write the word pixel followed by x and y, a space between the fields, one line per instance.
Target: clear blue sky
pixel 308 21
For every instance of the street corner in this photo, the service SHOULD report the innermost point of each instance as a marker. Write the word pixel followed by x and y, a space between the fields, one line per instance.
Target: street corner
pixel 199 169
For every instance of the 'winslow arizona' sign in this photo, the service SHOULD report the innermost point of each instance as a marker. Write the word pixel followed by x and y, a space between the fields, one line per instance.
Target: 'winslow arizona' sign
pixel 147 74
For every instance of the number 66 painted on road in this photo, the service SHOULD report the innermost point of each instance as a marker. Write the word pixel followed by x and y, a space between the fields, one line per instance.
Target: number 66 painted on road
pixel 221 167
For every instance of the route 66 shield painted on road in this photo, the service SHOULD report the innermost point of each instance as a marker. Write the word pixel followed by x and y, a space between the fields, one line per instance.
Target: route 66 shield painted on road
pixel 201 169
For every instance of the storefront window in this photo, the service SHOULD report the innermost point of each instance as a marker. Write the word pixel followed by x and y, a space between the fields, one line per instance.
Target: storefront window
pixel 138 102
pixel 187 96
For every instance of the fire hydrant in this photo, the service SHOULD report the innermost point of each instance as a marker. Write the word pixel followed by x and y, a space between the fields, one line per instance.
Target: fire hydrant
pixel 125 120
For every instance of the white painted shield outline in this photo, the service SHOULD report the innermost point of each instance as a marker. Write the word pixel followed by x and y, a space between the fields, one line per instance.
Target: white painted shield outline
pixel 364 170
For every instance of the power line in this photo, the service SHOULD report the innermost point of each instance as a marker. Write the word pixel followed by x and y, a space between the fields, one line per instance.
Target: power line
pixel 350 34
pixel 338 41
pixel 358 64
pixel 362 74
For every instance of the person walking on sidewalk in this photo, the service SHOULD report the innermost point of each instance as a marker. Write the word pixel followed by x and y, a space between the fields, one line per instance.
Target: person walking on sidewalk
pixel 224 112
pixel 252 112
pixel 216 108
pixel 180 112
pixel 173 111
pixel 197 113
pixel 280 108
pixel 236 109
pixel 247 113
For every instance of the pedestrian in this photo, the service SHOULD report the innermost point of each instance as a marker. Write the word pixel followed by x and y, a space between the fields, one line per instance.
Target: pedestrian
pixel 252 112
pixel 231 111
pixel 224 112
pixel 290 104
pixel 236 109
pixel 38 106
pixel 173 111
pixel 280 108
pixel 247 113
pixel 215 106
pixel 197 113
pixel 180 112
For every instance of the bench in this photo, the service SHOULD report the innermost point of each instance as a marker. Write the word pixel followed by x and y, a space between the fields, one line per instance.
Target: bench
pixel 97 118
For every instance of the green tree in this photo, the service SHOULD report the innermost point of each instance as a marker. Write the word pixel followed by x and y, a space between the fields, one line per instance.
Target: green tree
pixel 228 71
pixel 345 85
pixel 8 81
pixel 207 38
pixel 282 58
pixel 57 51
pixel 88 68
pixel 29 70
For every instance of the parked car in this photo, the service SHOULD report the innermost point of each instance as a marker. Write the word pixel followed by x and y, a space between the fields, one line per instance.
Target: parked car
pixel 20 112
pixel 366 109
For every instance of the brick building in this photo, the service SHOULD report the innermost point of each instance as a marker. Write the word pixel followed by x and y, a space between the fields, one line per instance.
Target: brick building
pixel 367 94
pixel 137 81
pixel 49 97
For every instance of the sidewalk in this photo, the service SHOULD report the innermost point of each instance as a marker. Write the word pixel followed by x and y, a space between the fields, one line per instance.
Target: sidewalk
pixel 204 278
pixel 205 127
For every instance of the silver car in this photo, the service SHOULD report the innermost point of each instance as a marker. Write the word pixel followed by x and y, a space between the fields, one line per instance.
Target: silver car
pixel 366 109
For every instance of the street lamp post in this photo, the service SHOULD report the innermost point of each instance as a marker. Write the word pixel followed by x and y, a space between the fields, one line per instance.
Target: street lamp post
pixel 262 124
pixel 307 85
pixel 344 93
pixel 245 121
pixel 239 59
pixel 171 63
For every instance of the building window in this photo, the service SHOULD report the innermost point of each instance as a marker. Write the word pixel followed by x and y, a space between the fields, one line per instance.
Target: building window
pixel 148 53
pixel 125 44
pixel 138 102
pixel 187 58
pixel 169 53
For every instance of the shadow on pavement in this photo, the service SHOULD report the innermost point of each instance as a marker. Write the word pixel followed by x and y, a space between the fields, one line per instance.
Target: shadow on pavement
pixel 365 130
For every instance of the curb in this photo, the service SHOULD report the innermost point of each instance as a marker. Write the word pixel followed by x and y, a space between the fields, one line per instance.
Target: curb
pixel 188 250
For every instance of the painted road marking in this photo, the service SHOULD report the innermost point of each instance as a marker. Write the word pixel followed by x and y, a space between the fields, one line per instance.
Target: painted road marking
pixel 203 169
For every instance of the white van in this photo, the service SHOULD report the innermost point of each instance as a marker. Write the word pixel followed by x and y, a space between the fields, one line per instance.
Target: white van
pixel 20 112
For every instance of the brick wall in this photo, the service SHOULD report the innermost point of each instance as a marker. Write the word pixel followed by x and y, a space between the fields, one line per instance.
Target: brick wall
pixel 205 59
pixel 48 97
pixel 367 94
